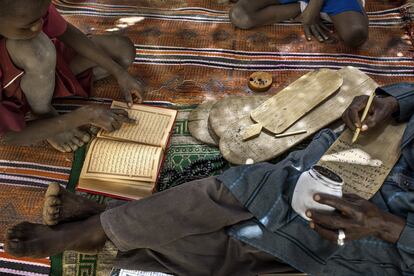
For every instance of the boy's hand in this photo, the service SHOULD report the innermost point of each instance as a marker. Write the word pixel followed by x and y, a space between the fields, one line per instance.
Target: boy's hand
pixel 131 88
pixel 381 109
pixel 107 119
pixel 312 23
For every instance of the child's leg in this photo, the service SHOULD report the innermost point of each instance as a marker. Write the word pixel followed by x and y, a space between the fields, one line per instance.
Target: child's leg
pixel 37 57
pixel 119 48
pixel 247 14
pixel 352 27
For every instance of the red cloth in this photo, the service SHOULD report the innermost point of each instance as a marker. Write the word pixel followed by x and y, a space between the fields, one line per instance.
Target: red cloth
pixel 13 104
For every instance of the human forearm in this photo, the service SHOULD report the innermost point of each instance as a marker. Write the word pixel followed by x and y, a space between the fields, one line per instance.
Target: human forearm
pixel 85 47
pixel 315 5
pixel 131 88
pixel 403 94
pixel 96 115
pixel 43 129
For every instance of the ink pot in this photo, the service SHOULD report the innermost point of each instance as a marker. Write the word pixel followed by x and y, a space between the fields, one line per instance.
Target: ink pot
pixel 318 180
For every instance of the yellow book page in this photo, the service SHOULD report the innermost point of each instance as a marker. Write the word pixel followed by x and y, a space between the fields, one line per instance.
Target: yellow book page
pixel 122 160
pixel 119 188
pixel 153 126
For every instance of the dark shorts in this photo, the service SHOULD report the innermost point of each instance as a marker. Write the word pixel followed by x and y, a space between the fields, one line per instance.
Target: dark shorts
pixel 334 7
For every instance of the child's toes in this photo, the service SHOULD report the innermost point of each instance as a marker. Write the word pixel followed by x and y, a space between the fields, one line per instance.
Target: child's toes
pixel 82 135
pixel 73 146
pixel 66 148
pixel 59 147
pixel 86 137
pixel 77 141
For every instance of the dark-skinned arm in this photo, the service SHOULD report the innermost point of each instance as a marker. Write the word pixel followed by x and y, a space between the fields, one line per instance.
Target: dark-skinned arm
pixel 393 100
pixel 312 22
pixel 85 47
pixel 40 130
pixel 403 93
pixel 396 100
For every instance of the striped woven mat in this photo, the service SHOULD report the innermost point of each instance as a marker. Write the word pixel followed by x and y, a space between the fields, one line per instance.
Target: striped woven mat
pixel 24 176
pixel 187 52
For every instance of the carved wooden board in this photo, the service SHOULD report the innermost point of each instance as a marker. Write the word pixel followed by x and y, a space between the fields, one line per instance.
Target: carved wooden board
pixel 266 146
pixel 281 111
pixel 198 123
pixel 229 110
pixel 365 164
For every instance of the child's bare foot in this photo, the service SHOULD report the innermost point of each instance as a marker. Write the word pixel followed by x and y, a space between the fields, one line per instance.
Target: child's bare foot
pixel 63 206
pixel 70 141
pixel 40 241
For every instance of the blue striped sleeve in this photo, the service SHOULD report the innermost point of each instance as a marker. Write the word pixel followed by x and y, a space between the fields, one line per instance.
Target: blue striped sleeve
pixel 404 94
pixel 406 242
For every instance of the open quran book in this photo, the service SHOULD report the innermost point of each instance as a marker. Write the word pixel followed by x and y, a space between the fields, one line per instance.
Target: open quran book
pixel 126 163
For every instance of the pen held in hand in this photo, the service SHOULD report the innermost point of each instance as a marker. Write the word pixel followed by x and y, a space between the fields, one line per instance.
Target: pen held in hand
pixel 364 116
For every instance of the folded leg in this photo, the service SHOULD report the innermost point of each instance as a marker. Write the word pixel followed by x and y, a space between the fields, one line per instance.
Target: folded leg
pixel 183 231
pixel 247 14
pixel 119 48
pixel 352 27
pixel 194 208
pixel 37 58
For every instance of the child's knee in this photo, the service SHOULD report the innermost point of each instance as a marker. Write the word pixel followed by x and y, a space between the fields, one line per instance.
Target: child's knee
pixel 355 35
pixel 37 54
pixel 241 17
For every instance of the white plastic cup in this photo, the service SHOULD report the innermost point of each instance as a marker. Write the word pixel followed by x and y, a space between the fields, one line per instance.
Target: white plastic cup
pixel 318 180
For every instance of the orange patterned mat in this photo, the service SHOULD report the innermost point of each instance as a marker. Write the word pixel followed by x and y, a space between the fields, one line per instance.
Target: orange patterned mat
pixel 187 50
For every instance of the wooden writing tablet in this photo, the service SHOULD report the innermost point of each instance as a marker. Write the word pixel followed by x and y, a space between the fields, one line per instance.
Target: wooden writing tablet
pixel 266 146
pixel 229 110
pixel 198 123
pixel 281 111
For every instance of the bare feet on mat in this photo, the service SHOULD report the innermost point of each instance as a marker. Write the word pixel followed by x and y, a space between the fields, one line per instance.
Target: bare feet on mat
pixel 63 206
pixel 70 141
pixel 40 241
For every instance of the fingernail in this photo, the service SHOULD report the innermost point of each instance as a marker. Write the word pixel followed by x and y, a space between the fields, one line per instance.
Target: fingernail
pixel 312 225
pixel 364 128
pixel 309 214
pixel 317 197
